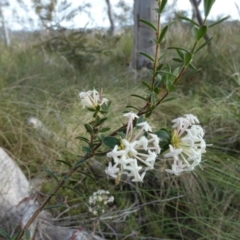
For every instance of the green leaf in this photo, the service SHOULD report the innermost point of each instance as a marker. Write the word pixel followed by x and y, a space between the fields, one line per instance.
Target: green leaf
pixel 74 190
pixel 199 33
pixel 148 24
pixel 4 234
pixel 165 138
pixel 168 73
pixel 189 20
pixel 130 106
pixel 177 60
pixel 179 48
pixel 100 122
pixel 192 67
pixel 203 45
pixel 87 149
pixel 148 114
pixel 51 174
pixel 137 96
pixel 64 162
pixel 162 5
pixel 163 33
pixel 83 139
pixel 207 6
pixel 80 162
pixel 161 57
pixel 27 234
pixel 147 56
pixel 105 129
pixel 168 99
pixel 219 21
pixel 111 142
pixel 169 86
pixel 88 128
pixel 146 85
pixel 187 59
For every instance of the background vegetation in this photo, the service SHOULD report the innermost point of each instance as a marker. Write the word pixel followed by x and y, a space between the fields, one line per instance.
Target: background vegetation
pixel 36 80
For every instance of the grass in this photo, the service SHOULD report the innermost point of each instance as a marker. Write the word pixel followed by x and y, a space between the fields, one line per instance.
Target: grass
pixel 204 205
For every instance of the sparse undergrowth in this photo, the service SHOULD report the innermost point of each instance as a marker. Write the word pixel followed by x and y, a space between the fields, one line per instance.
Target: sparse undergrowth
pixel 204 205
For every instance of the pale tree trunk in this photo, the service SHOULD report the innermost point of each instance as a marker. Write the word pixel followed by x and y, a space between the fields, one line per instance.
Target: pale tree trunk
pixel 143 35
pixel 5 29
pixel 110 16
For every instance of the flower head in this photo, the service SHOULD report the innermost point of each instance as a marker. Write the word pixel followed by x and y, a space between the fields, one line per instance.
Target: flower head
pixel 135 155
pixel 98 201
pixel 92 99
pixel 187 144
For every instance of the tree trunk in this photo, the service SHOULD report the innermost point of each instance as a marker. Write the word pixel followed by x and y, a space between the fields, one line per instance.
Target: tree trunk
pixel 110 16
pixel 5 29
pixel 143 35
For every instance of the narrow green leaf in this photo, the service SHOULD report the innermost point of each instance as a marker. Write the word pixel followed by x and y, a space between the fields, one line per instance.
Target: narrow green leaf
pixel 146 85
pixel 162 6
pixel 168 73
pixel 203 45
pixel 168 99
pixel 161 57
pixel 105 129
pixel 111 142
pixel 177 60
pixel 137 96
pixel 180 53
pixel 187 59
pixel 207 6
pixel 219 21
pixel 148 114
pixel 51 174
pixel 189 20
pixel 179 48
pixel 78 163
pixel 27 234
pixel 163 33
pixel 193 67
pixel 100 122
pixel 4 234
pixel 130 106
pixel 83 139
pixel 87 149
pixel 147 56
pixel 88 128
pixel 64 162
pixel 74 190
pixel 201 32
pixel 148 24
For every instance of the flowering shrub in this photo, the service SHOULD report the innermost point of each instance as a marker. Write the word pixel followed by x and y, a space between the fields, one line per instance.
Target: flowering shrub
pixel 134 147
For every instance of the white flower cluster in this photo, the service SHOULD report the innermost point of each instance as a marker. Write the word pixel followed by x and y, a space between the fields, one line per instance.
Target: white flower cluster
pixel 98 201
pixel 92 99
pixel 134 151
pixel 187 144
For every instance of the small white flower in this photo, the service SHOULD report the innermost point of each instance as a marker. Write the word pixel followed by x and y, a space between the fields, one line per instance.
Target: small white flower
pixel 92 99
pixel 112 170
